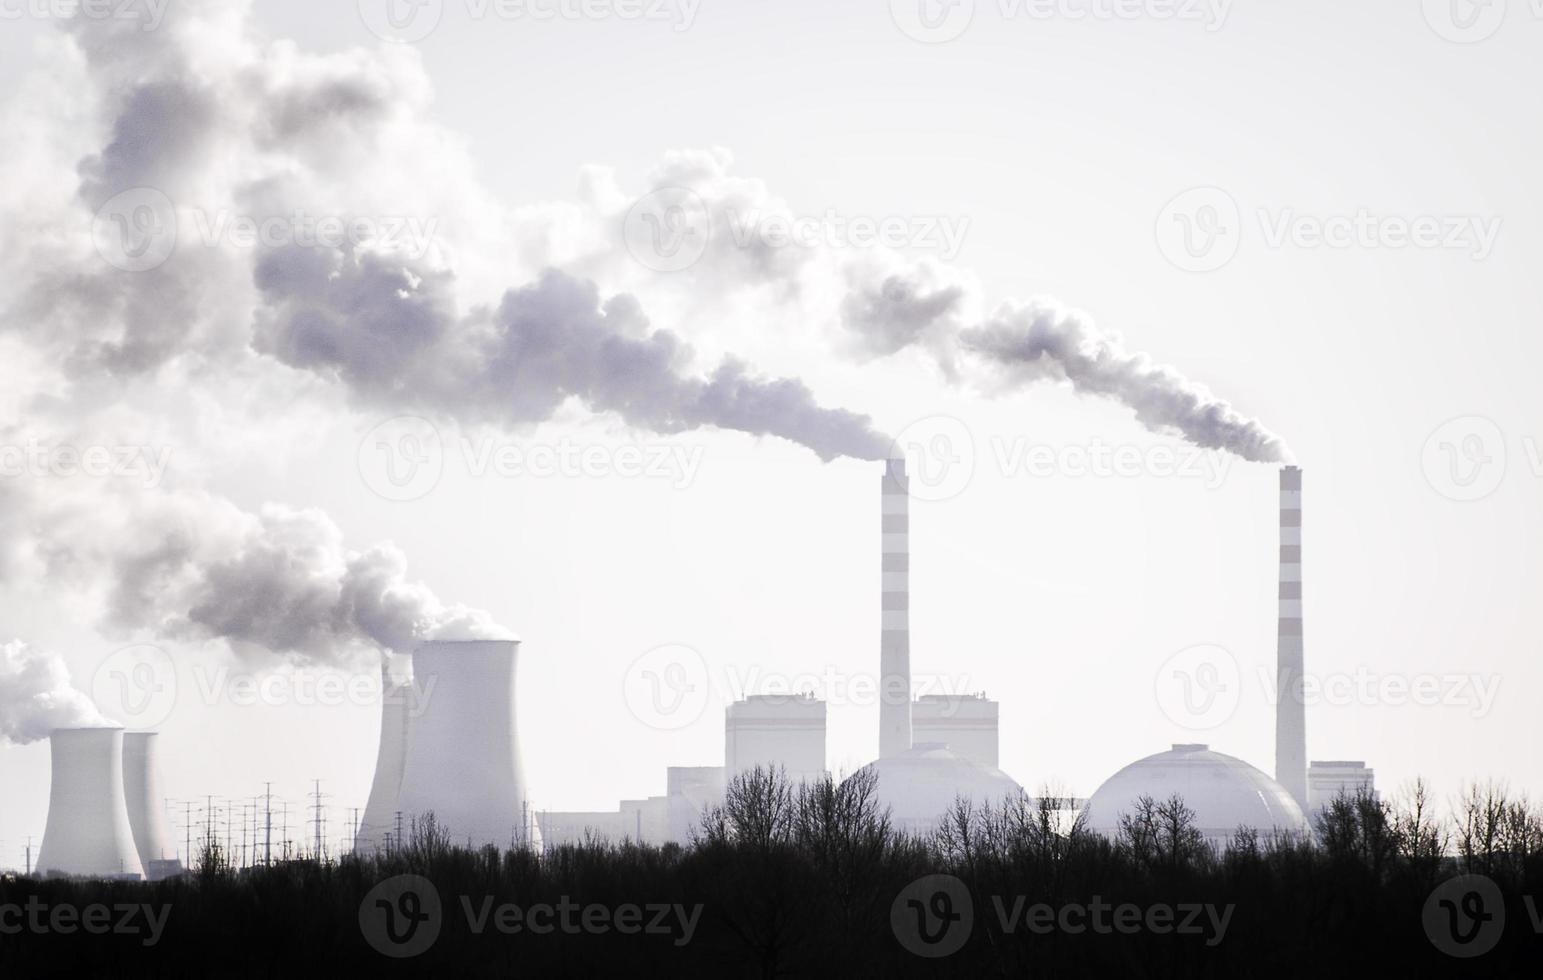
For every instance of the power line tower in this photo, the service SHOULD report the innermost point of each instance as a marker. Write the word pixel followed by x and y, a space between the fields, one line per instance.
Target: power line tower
pixel 268 825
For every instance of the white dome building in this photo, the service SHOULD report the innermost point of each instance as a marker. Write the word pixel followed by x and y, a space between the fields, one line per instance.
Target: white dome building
pixel 1225 793
pixel 920 785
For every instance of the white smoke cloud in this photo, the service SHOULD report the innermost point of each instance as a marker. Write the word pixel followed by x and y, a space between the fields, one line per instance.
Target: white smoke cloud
pixel 226 124
pixel 36 696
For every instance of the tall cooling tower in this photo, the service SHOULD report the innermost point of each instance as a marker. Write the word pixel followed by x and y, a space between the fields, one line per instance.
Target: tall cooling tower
pixel 463 753
pixel 143 799
pixel 1290 711
pixel 88 829
pixel 380 811
pixel 895 613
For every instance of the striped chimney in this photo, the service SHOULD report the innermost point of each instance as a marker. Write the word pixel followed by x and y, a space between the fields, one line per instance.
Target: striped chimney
pixel 1290 714
pixel 895 627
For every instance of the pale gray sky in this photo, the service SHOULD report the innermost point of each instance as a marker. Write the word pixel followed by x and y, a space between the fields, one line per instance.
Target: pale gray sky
pixel 1069 151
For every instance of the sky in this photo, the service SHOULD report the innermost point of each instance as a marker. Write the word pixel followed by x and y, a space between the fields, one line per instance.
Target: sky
pixel 1324 218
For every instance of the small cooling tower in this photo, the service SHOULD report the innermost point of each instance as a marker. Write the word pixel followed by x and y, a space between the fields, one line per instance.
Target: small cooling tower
pixel 379 821
pixel 463 752
pixel 88 830
pixel 143 800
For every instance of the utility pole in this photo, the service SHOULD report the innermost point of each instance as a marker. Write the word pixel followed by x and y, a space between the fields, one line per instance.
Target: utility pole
pixel 268 832
pixel 187 830
pixel 316 819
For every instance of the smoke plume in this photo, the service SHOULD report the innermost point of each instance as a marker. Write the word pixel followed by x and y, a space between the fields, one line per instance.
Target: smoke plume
pixel 1039 341
pixel 36 696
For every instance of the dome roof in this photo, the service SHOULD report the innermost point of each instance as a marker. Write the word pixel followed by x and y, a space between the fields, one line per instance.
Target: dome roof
pixel 920 785
pixel 1224 792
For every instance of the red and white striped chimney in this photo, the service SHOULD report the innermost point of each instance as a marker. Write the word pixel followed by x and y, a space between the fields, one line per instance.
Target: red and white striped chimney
pixel 895 612
pixel 1290 713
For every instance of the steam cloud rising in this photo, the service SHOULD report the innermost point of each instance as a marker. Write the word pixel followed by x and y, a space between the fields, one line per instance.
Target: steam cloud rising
pixel 36 696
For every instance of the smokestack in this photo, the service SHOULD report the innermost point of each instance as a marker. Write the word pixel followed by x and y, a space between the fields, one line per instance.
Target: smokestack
pixel 381 809
pixel 895 612
pixel 463 753
pixel 142 798
pixel 88 829
pixel 1290 712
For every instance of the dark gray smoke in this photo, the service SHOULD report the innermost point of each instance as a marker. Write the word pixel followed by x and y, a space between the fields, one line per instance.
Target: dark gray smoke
pixel 392 334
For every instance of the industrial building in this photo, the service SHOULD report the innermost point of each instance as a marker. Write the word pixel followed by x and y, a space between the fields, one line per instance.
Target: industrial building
pixel 454 750
pixel 1226 793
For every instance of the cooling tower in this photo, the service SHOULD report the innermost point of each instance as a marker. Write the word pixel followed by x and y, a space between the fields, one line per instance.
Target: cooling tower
pixel 463 752
pixel 1290 712
pixel 380 811
pixel 895 612
pixel 88 829
pixel 143 800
